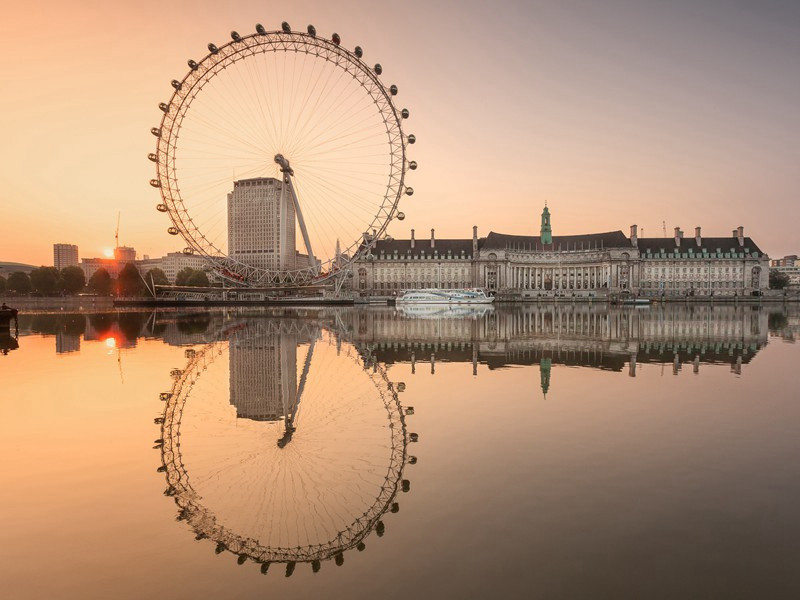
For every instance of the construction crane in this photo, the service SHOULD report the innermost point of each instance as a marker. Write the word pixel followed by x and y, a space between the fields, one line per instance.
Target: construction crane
pixel 116 234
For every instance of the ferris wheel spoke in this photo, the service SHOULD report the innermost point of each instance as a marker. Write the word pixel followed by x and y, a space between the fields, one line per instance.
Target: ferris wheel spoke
pixel 315 105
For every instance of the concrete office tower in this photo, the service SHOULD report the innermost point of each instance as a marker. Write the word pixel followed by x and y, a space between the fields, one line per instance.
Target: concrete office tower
pixel 261 224
pixel 65 255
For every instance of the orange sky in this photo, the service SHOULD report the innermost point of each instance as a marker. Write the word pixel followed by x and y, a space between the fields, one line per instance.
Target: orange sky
pixel 635 112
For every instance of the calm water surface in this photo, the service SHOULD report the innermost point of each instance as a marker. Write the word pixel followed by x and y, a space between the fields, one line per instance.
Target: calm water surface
pixel 541 451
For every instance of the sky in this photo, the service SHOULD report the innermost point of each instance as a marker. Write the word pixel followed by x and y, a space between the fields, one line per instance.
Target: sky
pixel 614 112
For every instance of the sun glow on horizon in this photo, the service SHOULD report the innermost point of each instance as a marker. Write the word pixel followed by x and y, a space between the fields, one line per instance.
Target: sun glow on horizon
pixel 108 252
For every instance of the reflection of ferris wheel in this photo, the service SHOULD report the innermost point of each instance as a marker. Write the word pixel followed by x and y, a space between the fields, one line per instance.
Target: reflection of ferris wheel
pixel 276 132
pixel 303 479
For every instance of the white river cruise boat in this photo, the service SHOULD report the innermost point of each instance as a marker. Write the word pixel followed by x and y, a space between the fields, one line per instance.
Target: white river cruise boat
pixel 436 296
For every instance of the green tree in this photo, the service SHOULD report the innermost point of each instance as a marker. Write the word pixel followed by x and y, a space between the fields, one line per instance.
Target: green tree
pixel 777 279
pixel 129 283
pixel 183 275
pixel 2 284
pixel 198 279
pixel 100 282
pixel 19 282
pixel 157 276
pixel 44 280
pixel 72 280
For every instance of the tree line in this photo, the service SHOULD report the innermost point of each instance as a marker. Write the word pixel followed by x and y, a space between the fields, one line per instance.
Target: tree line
pixel 69 281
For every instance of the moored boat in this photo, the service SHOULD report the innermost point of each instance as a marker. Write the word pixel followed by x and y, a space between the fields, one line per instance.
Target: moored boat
pixel 437 296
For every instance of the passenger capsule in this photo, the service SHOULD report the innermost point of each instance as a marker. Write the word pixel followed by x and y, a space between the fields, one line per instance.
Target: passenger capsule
pixel 192 65
pixel 155 131
pixel 412 460
pixel 260 29
pixel 404 113
pixel 188 251
pixel 336 39
pixel 411 138
pixel 378 69
pixel 401 386
pixel 235 36
pixel 173 231
pixel 163 106
pixel 393 90
pixel 155 183
pixel 412 165
pixel 213 49
pixel 405 485
pixel 161 207
pixel 164 396
pixel 286 28
pixel 401 216
pixel 409 191
pixel 413 437
pixel 176 84
pixel 359 52
pixel 152 157
pixel 395 508
pixel 312 31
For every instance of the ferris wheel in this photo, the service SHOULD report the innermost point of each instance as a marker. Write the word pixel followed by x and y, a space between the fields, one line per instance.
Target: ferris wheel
pixel 281 157
pixel 279 446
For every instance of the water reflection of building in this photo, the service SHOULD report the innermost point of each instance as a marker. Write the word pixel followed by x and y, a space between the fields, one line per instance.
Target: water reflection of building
pixel 596 336
pixel 66 342
pixel 263 376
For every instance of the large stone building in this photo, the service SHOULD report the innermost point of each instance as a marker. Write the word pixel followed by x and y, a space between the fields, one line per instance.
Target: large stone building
pixel 587 265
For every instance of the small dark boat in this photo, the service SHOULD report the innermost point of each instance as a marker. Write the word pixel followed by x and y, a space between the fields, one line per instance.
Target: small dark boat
pixel 7 314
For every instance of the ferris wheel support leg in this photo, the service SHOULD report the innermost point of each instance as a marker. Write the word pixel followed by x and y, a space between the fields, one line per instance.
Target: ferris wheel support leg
pixel 288 173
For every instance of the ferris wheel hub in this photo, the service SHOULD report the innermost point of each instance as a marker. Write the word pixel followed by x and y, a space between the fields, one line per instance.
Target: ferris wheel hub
pixel 285 168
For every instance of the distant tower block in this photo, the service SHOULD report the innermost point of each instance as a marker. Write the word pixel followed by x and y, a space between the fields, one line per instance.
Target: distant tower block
pixel 65 255
pixel 547 231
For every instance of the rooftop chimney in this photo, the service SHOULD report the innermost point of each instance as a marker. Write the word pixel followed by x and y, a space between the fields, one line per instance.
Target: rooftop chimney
pixel 634 236
pixel 678 236
pixel 433 239
pixel 697 237
pixel 474 241
pixel 740 235
pixel 412 238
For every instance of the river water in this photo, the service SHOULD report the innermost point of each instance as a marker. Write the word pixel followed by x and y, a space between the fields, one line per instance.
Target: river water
pixel 543 451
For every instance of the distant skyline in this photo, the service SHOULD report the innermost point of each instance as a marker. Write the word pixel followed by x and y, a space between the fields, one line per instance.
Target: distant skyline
pixel 615 112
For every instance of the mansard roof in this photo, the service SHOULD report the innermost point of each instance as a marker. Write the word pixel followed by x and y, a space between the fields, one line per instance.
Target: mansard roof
pixel 709 244
pixel 587 241
pixel 423 246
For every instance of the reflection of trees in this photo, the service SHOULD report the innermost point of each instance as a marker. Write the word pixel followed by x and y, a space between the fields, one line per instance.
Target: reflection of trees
pixel 777 321
pixel 102 323
pixel 193 324
pixel 131 323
